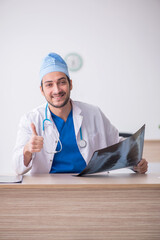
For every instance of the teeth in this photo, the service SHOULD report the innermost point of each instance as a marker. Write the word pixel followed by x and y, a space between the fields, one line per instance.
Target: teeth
pixel 58 96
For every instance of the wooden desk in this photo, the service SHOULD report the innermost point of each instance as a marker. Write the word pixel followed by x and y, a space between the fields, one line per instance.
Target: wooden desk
pixel 122 205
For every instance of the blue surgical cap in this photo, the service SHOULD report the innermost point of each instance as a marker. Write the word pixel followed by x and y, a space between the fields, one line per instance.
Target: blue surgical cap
pixel 53 63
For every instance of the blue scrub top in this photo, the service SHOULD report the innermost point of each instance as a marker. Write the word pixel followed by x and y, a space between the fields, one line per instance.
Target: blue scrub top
pixel 69 160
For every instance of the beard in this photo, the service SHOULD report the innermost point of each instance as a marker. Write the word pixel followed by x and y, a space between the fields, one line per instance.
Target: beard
pixel 59 105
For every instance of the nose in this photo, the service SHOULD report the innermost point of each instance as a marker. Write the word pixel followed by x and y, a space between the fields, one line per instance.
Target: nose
pixel 56 89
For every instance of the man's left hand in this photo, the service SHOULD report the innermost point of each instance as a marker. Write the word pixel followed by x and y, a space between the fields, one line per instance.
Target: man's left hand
pixel 141 167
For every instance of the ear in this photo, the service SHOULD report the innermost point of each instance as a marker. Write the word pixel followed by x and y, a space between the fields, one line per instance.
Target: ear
pixel 41 90
pixel 71 86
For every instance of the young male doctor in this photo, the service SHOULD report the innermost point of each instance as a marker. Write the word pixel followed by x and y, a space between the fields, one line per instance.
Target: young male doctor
pixel 61 136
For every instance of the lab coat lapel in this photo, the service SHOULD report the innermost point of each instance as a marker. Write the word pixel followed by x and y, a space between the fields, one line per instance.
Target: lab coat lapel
pixel 50 125
pixel 77 117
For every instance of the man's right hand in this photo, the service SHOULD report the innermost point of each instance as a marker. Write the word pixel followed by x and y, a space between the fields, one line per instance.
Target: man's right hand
pixel 34 145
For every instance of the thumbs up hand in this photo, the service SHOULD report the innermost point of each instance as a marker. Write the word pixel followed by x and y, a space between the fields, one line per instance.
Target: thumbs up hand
pixel 33 129
pixel 35 143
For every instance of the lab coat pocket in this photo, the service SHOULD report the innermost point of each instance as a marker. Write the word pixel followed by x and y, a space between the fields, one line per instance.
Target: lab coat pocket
pixel 49 145
pixel 50 140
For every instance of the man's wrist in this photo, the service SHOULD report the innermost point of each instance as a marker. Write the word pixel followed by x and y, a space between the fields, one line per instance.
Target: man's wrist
pixel 27 155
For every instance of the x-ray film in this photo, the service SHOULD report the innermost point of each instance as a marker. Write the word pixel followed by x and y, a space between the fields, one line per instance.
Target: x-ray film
pixel 124 154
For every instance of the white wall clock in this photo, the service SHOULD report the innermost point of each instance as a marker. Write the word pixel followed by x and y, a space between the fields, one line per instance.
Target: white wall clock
pixel 74 61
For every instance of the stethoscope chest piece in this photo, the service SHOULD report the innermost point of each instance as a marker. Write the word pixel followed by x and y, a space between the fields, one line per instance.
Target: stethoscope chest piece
pixel 82 143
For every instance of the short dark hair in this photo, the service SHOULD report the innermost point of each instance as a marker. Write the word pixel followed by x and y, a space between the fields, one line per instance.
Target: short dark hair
pixel 69 81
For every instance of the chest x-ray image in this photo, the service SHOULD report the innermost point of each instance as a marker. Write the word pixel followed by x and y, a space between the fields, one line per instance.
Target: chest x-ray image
pixel 124 154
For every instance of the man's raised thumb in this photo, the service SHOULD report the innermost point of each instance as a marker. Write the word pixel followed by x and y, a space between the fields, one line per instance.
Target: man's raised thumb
pixel 34 129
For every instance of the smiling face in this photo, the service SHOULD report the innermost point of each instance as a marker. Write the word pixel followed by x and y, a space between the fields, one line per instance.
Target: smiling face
pixel 56 89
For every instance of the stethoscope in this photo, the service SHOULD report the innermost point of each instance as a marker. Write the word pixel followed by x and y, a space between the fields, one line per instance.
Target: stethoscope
pixel 82 142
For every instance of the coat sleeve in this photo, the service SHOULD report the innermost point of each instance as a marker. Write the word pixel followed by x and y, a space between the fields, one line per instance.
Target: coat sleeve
pixel 111 132
pixel 23 136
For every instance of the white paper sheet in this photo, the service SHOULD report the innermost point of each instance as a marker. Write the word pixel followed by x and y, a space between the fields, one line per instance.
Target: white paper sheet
pixel 10 179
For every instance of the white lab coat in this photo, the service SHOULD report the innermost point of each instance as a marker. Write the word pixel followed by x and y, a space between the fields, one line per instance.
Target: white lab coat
pixel 97 131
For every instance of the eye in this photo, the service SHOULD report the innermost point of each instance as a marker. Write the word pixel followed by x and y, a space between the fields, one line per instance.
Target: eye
pixel 62 82
pixel 48 85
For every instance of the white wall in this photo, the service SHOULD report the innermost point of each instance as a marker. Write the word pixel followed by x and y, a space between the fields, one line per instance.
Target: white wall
pixel 118 41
